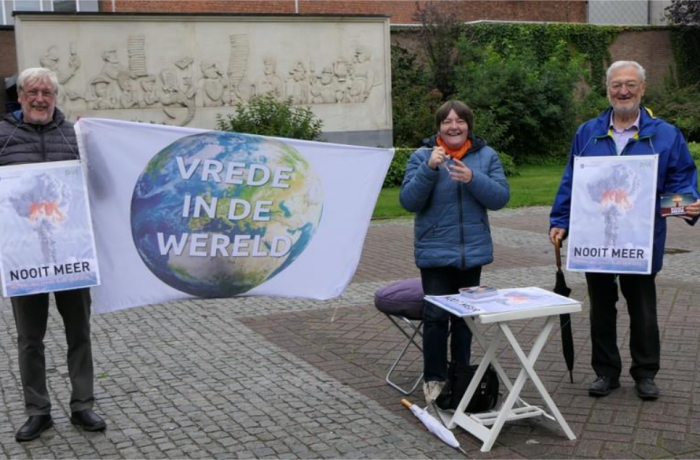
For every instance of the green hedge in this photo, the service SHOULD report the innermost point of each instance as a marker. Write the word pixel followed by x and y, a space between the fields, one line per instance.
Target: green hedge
pixel 694 150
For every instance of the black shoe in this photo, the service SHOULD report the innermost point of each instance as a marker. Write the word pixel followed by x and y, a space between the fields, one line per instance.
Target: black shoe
pixel 33 427
pixel 88 420
pixel 646 389
pixel 603 385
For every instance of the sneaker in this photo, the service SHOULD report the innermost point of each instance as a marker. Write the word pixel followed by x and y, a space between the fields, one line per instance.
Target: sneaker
pixel 432 390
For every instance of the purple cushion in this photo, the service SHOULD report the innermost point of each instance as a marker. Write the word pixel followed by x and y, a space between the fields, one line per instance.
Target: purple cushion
pixel 403 298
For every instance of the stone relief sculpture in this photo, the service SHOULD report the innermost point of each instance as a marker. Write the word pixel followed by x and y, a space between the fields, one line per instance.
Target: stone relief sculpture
pixel 189 84
pixel 213 86
pixel 270 82
pixel 240 88
pixel 50 60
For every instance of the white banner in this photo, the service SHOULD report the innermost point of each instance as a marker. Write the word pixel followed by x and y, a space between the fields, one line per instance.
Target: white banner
pixel 46 240
pixel 182 212
pixel 612 214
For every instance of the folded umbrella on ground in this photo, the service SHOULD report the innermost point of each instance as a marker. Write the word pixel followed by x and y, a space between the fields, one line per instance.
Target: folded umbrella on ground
pixel 433 425
pixel 567 336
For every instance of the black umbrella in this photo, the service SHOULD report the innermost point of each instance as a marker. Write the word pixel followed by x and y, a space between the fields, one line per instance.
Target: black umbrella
pixel 567 336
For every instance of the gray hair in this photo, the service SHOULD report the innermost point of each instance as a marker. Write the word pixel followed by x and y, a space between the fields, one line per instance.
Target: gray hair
pixel 35 74
pixel 620 64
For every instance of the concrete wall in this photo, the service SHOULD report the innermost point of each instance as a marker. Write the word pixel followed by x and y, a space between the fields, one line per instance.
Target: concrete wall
pixel 185 70
pixel 400 11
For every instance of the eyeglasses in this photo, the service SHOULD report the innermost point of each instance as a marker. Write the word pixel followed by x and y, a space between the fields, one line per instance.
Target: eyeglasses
pixel 632 86
pixel 34 93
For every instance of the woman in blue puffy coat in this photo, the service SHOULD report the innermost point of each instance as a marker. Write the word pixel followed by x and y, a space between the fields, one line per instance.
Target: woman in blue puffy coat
pixel 450 184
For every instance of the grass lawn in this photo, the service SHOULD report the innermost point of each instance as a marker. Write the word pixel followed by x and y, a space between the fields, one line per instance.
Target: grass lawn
pixel 536 185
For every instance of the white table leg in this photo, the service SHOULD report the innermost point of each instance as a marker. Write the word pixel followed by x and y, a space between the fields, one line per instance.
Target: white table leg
pixel 528 366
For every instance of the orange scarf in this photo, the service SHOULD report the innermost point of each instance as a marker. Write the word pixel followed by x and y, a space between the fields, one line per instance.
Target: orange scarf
pixel 456 154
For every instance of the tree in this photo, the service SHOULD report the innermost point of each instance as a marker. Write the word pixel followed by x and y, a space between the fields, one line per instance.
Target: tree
pixel 684 13
pixel 439 33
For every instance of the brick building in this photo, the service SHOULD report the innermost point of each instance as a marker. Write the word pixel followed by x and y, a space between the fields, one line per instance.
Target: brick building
pixel 400 11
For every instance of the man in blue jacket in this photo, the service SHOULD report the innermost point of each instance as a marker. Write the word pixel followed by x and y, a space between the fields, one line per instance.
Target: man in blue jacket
pixel 627 128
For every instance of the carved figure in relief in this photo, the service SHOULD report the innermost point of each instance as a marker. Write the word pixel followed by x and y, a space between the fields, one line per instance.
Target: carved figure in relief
pixel 298 86
pixel 111 66
pixel 270 82
pixel 129 97
pixel 101 95
pixel 363 77
pixel 50 60
pixel 323 91
pixel 178 93
pixel 212 85
pixel 149 91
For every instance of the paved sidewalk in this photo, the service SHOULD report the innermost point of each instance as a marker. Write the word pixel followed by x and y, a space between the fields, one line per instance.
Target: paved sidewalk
pixel 291 378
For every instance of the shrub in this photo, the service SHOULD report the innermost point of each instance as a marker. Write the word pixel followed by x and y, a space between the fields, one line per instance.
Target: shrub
pixel 678 106
pixel 532 100
pixel 414 102
pixel 394 177
pixel 694 150
pixel 509 167
pixel 266 116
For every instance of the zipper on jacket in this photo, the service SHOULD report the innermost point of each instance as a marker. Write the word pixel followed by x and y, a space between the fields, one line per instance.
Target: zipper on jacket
pixel 461 227
pixel 42 144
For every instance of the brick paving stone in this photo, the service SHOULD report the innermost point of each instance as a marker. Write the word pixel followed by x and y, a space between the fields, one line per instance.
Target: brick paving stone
pixel 255 377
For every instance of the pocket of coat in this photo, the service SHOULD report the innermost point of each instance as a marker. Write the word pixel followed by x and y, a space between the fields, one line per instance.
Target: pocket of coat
pixel 426 231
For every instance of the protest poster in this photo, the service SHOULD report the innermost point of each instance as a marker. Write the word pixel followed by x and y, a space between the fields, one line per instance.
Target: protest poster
pixel 182 213
pixel 46 239
pixel 612 214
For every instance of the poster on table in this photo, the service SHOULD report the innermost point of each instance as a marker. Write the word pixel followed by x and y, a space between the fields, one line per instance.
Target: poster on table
pixel 182 213
pixel 46 239
pixel 612 214
pixel 505 300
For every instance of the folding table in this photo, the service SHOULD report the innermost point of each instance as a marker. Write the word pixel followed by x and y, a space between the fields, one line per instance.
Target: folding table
pixel 513 408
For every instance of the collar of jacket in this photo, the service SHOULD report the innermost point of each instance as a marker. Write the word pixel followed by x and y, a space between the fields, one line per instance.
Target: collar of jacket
pixel 15 118
pixel 648 124
pixel 477 143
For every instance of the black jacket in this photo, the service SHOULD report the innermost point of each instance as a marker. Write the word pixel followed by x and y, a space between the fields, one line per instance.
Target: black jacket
pixel 25 143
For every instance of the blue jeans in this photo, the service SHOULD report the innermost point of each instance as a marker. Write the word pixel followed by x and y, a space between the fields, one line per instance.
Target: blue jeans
pixel 442 281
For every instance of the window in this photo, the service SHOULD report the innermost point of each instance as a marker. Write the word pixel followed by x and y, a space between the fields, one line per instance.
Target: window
pixel 65 6
pixel 28 5
pixel 59 6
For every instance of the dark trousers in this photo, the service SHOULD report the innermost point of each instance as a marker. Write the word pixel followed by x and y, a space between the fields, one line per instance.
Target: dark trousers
pixel 442 281
pixel 31 317
pixel 645 348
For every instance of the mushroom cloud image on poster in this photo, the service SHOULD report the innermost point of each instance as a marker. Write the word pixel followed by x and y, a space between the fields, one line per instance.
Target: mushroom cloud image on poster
pixel 216 214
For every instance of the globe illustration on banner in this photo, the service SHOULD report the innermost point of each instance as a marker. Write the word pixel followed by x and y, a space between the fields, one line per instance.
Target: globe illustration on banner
pixel 217 214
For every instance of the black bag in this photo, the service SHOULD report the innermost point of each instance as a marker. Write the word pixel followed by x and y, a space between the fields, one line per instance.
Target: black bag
pixel 458 378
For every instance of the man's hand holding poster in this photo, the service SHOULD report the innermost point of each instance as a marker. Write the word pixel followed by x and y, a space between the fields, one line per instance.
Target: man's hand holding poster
pixel 612 214
pixel 46 240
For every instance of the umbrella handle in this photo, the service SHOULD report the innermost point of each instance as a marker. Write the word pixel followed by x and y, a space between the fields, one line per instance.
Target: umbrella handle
pixel 557 252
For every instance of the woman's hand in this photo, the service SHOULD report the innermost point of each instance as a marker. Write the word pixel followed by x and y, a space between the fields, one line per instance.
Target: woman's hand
pixel 437 158
pixel 460 172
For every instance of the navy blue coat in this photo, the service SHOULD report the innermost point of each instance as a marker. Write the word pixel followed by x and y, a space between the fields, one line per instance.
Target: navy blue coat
pixel 676 172
pixel 451 225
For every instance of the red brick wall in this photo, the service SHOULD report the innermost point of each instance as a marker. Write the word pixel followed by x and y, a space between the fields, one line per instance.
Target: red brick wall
pixel 400 11
pixel 8 52
pixel 652 49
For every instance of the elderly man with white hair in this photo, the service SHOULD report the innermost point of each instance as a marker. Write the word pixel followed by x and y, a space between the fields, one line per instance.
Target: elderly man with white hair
pixel 628 128
pixel 38 133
